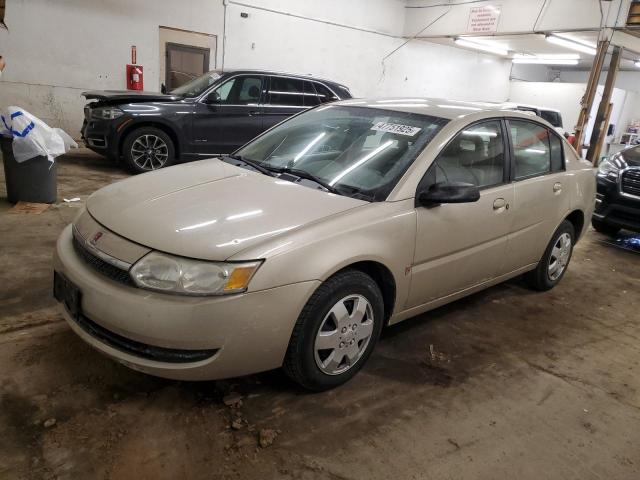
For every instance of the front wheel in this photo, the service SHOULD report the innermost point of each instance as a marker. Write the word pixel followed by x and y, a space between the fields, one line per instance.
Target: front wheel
pixel 147 149
pixel 554 262
pixel 335 332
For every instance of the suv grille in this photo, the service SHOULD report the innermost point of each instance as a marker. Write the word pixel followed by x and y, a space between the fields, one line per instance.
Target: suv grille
pixel 631 182
pixel 114 273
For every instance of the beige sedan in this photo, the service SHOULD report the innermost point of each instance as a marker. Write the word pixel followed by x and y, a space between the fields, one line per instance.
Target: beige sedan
pixel 298 249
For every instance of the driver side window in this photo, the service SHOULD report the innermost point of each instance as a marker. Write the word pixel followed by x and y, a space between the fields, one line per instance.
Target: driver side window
pixel 475 156
pixel 244 90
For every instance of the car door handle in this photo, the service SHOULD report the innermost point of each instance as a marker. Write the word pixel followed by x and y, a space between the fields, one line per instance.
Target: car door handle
pixel 557 187
pixel 254 113
pixel 500 203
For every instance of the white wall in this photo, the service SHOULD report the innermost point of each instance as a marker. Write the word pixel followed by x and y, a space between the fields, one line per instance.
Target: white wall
pixel 276 41
pixel 626 80
pixel 55 49
pixel 58 48
pixel 566 97
pixel 516 16
pixel 561 96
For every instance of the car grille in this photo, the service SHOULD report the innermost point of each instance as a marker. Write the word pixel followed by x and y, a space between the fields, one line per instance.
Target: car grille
pixel 139 349
pixel 110 271
pixel 631 182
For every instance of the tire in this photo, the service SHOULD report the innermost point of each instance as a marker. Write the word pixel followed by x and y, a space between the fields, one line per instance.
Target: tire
pixel 358 294
pixel 545 277
pixel 147 149
pixel 604 228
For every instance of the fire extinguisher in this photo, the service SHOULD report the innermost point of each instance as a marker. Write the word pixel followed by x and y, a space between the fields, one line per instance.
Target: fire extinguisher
pixel 135 77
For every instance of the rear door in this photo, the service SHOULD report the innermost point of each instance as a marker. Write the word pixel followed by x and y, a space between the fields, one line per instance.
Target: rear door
pixel 285 97
pixel 462 245
pixel 541 191
pixel 229 116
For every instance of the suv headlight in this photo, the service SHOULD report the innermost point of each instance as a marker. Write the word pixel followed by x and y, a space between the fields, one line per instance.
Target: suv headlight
pixel 106 113
pixel 608 169
pixel 169 274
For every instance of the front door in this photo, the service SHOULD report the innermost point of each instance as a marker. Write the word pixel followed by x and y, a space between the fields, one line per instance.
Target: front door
pixel 462 245
pixel 229 116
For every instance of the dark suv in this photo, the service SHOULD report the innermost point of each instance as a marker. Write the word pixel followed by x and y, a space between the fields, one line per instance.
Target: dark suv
pixel 618 197
pixel 213 114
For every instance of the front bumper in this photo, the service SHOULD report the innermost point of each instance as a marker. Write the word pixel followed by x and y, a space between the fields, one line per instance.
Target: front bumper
pixel 246 333
pixel 613 208
pixel 103 136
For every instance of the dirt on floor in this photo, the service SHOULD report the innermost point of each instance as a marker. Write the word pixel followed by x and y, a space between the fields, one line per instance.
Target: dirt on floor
pixel 507 383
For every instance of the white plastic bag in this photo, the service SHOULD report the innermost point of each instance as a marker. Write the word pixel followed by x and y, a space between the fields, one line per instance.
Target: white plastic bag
pixel 32 137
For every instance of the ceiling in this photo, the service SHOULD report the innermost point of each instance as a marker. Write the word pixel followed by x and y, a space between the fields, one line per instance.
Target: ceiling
pixel 536 44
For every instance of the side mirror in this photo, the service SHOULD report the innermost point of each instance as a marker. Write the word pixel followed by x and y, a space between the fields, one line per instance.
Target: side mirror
pixel 455 192
pixel 163 88
pixel 212 99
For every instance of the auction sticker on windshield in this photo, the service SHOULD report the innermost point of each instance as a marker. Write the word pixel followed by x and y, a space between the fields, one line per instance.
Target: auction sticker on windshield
pixel 407 130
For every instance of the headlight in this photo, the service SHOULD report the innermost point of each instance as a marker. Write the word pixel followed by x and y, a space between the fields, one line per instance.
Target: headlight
pixel 166 273
pixel 608 169
pixel 106 113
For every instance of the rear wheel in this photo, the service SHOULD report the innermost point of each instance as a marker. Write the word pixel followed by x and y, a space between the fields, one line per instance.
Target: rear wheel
pixel 335 332
pixel 604 228
pixel 554 262
pixel 147 149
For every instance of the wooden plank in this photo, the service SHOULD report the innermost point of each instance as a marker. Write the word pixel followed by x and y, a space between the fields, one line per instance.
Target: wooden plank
pixel 599 129
pixel 590 94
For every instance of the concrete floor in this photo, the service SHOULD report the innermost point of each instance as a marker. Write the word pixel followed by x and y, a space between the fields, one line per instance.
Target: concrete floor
pixel 505 384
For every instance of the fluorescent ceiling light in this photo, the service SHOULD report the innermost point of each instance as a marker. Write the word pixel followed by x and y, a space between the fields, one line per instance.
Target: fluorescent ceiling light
pixel 485 47
pixel 572 44
pixel 637 63
pixel 549 56
pixel 545 61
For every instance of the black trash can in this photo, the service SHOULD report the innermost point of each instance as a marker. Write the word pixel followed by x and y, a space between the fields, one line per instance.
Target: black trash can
pixel 34 180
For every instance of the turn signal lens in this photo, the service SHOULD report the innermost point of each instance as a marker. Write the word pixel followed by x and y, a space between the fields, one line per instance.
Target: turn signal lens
pixel 240 277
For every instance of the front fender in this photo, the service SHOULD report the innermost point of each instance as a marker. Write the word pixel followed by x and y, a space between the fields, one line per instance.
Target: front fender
pixel 381 232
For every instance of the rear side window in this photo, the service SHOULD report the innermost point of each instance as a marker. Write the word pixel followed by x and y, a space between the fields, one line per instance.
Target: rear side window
pixel 324 94
pixel 286 91
pixel 311 98
pixel 557 154
pixel 531 149
pixel 552 117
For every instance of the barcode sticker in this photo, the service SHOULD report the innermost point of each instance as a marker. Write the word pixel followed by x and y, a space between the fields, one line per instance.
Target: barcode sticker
pixel 406 130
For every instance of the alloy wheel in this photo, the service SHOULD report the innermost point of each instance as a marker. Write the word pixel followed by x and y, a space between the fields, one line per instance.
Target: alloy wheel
pixel 559 257
pixel 344 335
pixel 149 152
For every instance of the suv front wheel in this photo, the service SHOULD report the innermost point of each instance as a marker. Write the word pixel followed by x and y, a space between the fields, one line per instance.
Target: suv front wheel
pixel 148 148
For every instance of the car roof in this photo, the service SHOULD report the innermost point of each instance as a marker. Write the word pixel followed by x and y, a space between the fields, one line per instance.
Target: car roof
pixel 286 74
pixel 437 107
pixel 526 105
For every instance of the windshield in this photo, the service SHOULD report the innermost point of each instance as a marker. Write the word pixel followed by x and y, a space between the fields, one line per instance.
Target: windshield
pixel 196 86
pixel 359 152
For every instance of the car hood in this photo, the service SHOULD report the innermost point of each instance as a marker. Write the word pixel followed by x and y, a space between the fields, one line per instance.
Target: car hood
pixel 209 209
pixel 630 156
pixel 129 96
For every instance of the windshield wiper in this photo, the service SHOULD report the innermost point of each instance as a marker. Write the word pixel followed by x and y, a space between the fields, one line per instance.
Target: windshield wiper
pixel 308 176
pixel 253 164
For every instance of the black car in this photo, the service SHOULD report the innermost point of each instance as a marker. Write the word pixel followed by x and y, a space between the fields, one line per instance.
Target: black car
pixel 213 114
pixel 618 197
